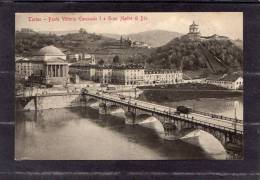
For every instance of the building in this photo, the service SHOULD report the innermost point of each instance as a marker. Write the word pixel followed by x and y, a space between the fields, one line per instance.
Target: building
pixel 193 78
pixel 194 33
pixel 140 44
pixel 162 76
pixel 232 81
pixel 75 57
pixel 49 66
pixel 125 74
pixel 131 74
pixel 23 68
pixel 27 30
pixel 214 37
pixel 90 58
pixel 85 71
pixel 103 74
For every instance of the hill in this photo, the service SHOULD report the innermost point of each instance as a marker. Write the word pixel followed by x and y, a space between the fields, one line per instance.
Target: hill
pixel 204 57
pixel 58 32
pixel 238 43
pixel 154 38
pixel 105 48
pixel 209 56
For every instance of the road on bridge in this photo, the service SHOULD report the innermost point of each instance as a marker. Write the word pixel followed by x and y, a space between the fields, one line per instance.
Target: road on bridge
pixel 194 117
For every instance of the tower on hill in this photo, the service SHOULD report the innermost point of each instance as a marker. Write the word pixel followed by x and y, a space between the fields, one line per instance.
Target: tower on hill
pixel 194 33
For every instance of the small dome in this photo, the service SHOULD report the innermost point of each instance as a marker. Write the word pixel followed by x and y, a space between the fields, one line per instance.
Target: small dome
pixel 50 51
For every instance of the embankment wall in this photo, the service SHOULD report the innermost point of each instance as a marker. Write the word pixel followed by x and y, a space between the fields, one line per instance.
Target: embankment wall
pixel 52 102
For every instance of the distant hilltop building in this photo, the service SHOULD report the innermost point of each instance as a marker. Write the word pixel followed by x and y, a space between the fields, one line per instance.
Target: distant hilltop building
pixel 140 44
pixel 27 30
pixel 131 43
pixel 194 33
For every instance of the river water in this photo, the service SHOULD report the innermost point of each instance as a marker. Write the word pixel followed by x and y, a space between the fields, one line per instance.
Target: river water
pixel 81 133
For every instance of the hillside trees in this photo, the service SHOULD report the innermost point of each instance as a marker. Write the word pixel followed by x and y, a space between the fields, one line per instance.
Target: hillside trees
pixel 187 55
pixel 82 31
pixel 116 59
pixel 101 62
pixel 28 43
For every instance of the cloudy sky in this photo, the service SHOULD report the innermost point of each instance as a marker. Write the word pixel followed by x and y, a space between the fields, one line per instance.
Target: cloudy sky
pixel 222 23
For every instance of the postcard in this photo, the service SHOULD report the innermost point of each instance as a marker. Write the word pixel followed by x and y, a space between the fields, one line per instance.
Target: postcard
pixel 129 86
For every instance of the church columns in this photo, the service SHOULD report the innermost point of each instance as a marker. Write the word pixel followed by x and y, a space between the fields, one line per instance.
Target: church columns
pixel 55 66
pixel 56 70
pixel 64 70
pixel 61 71
pixel 52 71
pixel 47 72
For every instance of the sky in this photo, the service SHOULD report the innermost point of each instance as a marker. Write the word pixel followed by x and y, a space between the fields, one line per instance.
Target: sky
pixel 222 23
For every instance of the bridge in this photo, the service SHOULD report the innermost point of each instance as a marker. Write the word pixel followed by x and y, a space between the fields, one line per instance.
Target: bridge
pixel 228 131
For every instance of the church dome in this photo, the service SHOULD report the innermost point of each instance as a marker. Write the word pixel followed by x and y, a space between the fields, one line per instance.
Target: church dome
pixel 50 51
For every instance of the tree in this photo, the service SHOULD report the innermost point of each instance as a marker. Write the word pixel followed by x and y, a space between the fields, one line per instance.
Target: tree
pixel 121 40
pixel 82 31
pixel 116 59
pixel 101 62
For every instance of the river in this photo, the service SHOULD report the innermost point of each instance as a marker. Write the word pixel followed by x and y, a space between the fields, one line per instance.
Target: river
pixel 81 133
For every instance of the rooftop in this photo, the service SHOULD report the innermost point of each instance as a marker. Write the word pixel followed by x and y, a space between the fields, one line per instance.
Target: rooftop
pixel 214 36
pixel 194 24
pixel 50 51
pixel 160 71
pixel 128 66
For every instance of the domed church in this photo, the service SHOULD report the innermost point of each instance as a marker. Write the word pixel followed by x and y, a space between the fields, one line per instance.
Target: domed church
pixel 49 66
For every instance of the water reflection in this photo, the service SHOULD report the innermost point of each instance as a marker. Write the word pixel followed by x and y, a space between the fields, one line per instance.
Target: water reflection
pixel 83 134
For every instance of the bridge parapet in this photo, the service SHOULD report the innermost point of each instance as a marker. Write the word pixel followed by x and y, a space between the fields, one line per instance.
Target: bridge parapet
pixel 225 130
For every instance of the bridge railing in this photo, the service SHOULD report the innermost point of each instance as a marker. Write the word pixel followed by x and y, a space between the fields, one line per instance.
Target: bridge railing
pixel 187 118
pixel 218 116
pixel 153 109
pixel 212 124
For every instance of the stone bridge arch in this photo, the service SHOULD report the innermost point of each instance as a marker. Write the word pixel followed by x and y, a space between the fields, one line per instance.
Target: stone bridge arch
pixel 231 141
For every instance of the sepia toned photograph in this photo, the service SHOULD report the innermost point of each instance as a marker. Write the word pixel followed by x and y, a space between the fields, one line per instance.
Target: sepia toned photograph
pixel 129 86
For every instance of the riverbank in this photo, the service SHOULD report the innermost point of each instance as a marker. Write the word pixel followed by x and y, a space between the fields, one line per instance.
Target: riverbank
pixel 186 86
pixel 172 95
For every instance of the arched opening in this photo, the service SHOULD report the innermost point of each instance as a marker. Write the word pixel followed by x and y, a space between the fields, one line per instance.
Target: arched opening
pixel 116 110
pixel 210 144
pixel 149 121
pixel 92 102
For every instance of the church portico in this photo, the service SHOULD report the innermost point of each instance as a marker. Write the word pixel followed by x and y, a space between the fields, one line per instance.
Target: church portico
pixel 56 70
pixel 56 73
